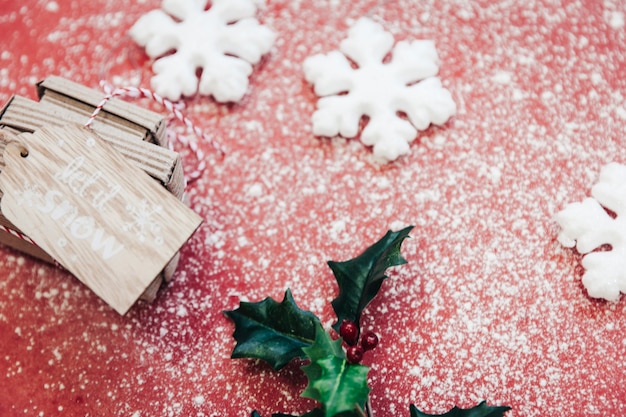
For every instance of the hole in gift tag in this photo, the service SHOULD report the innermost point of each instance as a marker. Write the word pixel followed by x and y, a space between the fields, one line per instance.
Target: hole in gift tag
pixel 102 219
pixel 22 149
pixel 10 141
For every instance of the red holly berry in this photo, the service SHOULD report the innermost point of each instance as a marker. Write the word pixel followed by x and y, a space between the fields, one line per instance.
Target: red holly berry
pixel 349 331
pixel 354 354
pixel 369 341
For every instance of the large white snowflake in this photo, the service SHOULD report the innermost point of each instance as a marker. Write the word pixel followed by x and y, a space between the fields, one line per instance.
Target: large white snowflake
pixel 223 41
pixel 380 90
pixel 589 227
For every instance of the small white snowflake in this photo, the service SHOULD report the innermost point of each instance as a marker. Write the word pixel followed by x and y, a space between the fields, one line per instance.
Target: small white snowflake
pixel 30 195
pixel 377 89
pixel 144 224
pixel 223 41
pixel 589 227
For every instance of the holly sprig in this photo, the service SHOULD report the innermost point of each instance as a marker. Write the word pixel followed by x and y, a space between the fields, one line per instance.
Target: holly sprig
pixel 279 332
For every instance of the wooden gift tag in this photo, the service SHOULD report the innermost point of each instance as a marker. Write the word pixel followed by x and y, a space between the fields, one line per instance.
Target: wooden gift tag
pixel 101 218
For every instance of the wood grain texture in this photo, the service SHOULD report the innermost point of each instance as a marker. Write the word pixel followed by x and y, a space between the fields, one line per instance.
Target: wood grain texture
pixel 160 163
pixel 150 124
pixel 27 248
pixel 104 220
pixel 137 138
pixel 24 246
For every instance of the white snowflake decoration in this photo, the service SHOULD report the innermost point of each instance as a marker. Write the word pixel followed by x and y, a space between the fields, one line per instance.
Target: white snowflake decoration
pixel 224 41
pixel 30 195
pixel 378 90
pixel 144 224
pixel 588 226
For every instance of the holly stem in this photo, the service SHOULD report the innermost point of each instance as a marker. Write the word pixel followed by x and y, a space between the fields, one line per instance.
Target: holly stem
pixel 360 411
pixel 368 409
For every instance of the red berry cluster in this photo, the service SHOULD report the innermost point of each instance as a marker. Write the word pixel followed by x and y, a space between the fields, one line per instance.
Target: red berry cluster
pixel 349 331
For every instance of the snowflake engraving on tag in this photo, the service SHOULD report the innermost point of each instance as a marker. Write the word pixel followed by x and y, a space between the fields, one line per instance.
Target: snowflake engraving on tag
pixel 595 223
pixel 144 225
pixel 379 90
pixel 30 196
pixel 223 41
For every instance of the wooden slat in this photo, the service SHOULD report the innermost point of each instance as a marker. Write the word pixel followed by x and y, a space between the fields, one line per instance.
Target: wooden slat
pixel 150 294
pixel 80 112
pixel 132 130
pixel 36 252
pixel 170 269
pixel 60 160
pixel 150 121
pixel 6 223
pixel 23 246
pixel 160 163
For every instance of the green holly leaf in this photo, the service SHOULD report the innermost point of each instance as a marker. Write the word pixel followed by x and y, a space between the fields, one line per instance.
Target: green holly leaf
pixel 481 410
pixel 271 331
pixel 360 278
pixel 340 387
pixel 323 347
pixel 313 413
pixel 337 384
pixel 317 412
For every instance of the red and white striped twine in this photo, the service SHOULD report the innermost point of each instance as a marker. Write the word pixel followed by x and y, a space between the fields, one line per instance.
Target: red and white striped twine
pixel 25 238
pixel 175 110
pixel 18 235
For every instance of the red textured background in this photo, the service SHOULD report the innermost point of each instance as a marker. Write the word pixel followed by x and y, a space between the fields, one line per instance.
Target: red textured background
pixel 490 306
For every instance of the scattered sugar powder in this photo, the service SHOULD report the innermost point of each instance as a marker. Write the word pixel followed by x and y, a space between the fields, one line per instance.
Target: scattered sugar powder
pixel 616 19
pixel 482 310
pixel 52 6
